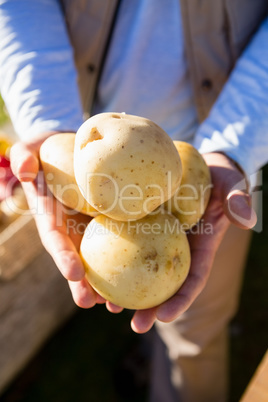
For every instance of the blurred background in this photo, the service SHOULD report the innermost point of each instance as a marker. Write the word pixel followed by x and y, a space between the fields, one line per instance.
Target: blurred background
pixel 93 355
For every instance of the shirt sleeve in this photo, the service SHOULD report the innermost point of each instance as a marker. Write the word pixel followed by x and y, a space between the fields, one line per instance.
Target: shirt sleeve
pixel 37 72
pixel 238 122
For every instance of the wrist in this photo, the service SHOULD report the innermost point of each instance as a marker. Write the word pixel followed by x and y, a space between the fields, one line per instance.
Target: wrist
pixel 221 159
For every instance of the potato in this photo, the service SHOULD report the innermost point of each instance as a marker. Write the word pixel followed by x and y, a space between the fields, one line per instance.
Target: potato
pixel 191 199
pixel 136 264
pixel 126 165
pixel 56 155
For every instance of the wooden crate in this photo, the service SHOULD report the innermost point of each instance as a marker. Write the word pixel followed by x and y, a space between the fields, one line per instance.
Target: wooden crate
pixel 34 298
pixel 257 389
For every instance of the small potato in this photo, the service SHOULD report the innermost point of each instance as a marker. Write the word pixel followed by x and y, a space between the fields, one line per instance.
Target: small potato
pixel 126 165
pixel 191 199
pixel 56 155
pixel 136 264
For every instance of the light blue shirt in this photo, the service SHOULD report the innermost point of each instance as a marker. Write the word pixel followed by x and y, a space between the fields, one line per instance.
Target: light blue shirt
pixel 37 73
pixel 145 74
pixel 146 69
pixel 238 122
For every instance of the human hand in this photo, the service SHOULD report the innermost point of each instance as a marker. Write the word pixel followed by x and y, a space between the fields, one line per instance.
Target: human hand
pixel 228 204
pixel 60 228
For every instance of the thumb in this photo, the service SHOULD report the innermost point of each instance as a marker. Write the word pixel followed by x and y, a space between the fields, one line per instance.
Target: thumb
pixel 24 161
pixel 232 189
pixel 237 207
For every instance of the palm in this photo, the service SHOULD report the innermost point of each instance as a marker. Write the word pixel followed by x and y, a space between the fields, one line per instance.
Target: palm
pixel 61 232
pixel 204 242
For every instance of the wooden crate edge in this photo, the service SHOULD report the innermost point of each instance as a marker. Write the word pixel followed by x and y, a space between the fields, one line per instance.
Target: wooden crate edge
pixel 19 245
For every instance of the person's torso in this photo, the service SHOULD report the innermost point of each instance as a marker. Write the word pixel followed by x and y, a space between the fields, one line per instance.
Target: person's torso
pixel 145 70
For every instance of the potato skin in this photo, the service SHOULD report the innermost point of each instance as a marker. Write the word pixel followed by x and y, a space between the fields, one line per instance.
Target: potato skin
pixel 126 165
pixel 191 199
pixel 56 155
pixel 136 264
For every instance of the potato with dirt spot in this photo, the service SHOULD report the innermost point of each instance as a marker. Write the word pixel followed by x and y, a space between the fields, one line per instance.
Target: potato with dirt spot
pixel 191 199
pixel 136 264
pixel 126 165
pixel 56 155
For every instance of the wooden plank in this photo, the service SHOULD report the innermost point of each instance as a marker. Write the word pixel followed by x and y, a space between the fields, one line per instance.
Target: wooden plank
pixel 257 389
pixel 19 245
pixel 32 306
pixel 34 298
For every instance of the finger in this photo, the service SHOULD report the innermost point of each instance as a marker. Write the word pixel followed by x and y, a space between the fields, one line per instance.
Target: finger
pixel 100 299
pixel 113 308
pixel 52 231
pixel 24 157
pixel 201 262
pixel 200 268
pixel 62 250
pixel 203 249
pixel 24 162
pixel 143 320
pixel 83 294
pixel 231 187
pixel 65 256
pixel 182 300
pixel 237 208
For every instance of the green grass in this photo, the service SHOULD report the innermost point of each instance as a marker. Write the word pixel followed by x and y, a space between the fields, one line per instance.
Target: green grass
pixel 3 113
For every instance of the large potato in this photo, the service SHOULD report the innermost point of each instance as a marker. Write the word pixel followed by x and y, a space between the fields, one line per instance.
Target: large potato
pixel 190 200
pixel 56 155
pixel 136 264
pixel 126 165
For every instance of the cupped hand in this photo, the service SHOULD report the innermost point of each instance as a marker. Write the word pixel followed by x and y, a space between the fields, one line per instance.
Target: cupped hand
pixel 61 231
pixel 229 203
pixel 60 228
